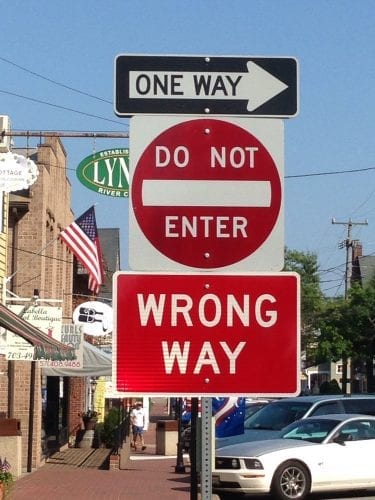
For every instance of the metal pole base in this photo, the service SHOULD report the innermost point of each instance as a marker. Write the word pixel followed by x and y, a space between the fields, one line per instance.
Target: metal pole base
pixel 180 469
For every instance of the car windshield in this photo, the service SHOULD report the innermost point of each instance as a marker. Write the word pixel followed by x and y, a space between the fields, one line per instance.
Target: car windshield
pixel 309 430
pixel 277 415
pixel 253 408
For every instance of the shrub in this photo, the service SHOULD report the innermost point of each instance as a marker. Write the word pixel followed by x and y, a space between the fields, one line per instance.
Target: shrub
pixel 331 387
pixel 109 430
pixel 6 477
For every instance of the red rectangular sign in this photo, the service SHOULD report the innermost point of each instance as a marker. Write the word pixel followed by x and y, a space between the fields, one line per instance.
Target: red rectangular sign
pixel 206 334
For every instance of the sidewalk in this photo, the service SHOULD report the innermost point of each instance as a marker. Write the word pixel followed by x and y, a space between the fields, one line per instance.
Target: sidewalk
pixel 75 475
pixel 151 479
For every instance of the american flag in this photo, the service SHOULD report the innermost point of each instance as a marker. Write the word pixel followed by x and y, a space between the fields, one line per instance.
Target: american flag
pixel 81 237
pixel 4 465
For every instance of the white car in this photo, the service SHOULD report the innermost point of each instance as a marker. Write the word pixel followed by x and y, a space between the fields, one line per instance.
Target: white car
pixel 316 454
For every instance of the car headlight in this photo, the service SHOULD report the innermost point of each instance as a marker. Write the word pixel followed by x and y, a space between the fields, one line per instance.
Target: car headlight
pixel 227 463
pixel 253 463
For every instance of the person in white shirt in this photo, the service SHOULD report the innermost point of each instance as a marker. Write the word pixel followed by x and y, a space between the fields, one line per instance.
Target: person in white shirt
pixel 138 421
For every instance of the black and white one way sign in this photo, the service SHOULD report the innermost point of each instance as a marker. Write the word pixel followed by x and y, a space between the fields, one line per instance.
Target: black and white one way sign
pixel 205 85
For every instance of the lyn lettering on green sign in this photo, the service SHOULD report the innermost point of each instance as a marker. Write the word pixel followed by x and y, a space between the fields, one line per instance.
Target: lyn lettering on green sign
pixel 106 172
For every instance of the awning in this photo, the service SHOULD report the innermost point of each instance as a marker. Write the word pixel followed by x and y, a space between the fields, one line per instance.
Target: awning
pixel 45 347
pixel 95 363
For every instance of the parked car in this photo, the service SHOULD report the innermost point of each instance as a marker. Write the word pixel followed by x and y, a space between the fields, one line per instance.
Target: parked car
pixel 254 405
pixel 269 420
pixel 328 453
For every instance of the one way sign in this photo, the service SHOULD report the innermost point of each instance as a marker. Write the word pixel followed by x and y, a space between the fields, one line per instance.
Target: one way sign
pixel 206 85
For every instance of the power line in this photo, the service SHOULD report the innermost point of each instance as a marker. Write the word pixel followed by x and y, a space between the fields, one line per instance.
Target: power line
pixel 334 172
pixel 68 87
pixel 58 106
pixel 38 75
pixel 125 135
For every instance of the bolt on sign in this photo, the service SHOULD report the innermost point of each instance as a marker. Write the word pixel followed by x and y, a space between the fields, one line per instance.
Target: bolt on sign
pixel 106 172
pixel 206 194
pixel 206 334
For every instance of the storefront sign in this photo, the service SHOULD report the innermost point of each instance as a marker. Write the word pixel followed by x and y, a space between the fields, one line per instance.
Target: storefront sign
pixel 71 335
pixel 106 172
pixel 96 318
pixel 16 172
pixel 46 318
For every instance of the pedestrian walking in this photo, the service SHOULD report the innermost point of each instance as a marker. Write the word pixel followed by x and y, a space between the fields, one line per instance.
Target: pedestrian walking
pixel 138 421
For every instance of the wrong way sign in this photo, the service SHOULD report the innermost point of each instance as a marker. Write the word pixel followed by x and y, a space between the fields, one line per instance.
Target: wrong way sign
pixel 210 85
pixel 206 334
pixel 206 194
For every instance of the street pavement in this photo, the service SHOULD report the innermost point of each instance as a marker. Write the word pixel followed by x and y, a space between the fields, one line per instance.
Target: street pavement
pixel 79 474
pixel 82 474
pixel 144 478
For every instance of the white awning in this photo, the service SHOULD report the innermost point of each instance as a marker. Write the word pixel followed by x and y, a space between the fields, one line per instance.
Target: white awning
pixel 96 363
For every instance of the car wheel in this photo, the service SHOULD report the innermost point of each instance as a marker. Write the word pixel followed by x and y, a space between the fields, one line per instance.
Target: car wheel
pixel 291 480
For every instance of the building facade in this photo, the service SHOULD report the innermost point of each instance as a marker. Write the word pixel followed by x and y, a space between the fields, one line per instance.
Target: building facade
pixel 39 265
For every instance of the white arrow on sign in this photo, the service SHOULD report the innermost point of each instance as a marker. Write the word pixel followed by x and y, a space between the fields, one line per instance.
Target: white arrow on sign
pixel 257 86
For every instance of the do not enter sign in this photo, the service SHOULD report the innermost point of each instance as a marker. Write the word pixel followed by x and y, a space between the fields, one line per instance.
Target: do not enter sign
pixel 206 194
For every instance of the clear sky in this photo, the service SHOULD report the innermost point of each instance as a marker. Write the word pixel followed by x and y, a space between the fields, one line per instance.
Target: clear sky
pixel 53 49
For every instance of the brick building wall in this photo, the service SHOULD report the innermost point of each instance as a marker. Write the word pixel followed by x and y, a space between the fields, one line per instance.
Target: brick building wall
pixel 77 396
pixel 37 230
pixel 40 262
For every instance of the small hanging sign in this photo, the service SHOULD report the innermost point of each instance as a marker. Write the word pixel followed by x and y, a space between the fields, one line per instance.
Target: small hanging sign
pixel 16 172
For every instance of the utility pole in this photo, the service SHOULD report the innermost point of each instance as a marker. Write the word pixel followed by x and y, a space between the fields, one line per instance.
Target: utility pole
pixel 348 243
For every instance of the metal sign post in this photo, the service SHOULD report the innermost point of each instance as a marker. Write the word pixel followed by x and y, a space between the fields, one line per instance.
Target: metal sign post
pixel 206 194
pixel 206 469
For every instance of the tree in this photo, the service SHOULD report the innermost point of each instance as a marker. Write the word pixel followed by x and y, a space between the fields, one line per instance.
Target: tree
pixel 334 342
pixel 347 329
pixel 306 265
pixel 361 327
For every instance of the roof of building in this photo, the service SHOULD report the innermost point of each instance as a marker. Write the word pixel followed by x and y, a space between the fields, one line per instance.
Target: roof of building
pixel 110 244
pixel 366 265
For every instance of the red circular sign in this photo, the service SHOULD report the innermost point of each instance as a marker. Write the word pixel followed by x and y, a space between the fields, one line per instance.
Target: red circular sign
pixel 206 193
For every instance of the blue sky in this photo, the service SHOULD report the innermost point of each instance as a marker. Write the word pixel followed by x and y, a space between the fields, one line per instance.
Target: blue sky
pixel 74 43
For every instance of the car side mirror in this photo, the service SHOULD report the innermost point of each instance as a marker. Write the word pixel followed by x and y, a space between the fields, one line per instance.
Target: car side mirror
pixel 340 439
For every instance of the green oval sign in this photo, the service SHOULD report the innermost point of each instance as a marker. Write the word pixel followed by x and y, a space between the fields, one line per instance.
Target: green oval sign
pixel 106 172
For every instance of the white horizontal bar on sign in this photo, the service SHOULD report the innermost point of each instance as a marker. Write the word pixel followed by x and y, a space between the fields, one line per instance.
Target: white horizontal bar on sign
pixel 205 193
